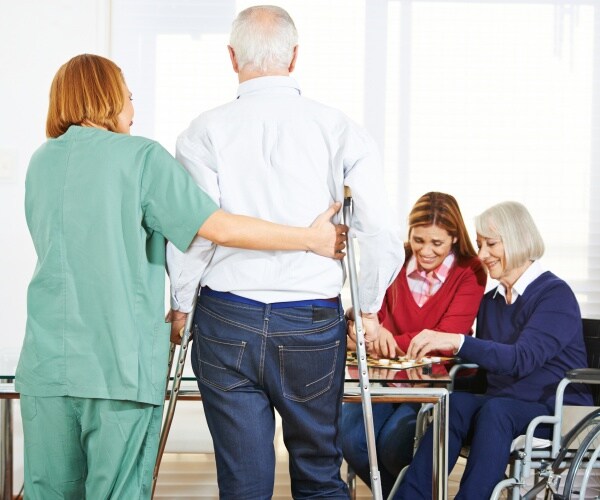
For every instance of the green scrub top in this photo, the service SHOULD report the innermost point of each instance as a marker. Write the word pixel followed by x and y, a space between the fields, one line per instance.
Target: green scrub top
pixel 99 206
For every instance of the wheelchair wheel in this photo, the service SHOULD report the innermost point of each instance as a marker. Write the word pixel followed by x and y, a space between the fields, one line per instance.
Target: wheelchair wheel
pixel 577 483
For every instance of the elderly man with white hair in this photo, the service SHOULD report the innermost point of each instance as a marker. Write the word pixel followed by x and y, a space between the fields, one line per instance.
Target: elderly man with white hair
pixel 269 326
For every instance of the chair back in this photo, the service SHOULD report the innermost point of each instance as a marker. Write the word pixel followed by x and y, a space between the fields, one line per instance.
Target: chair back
pixel 591 337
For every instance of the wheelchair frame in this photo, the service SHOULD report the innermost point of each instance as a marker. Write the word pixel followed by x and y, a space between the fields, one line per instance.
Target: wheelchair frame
pixel 549 463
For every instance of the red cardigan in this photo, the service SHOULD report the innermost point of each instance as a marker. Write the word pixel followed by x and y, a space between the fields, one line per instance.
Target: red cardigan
pixel 452 309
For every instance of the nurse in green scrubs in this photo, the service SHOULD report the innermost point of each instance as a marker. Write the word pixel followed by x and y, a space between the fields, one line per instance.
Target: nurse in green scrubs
pixel 99 205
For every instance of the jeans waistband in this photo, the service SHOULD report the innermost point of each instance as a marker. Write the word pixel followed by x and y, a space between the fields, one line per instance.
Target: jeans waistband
pixel 332 303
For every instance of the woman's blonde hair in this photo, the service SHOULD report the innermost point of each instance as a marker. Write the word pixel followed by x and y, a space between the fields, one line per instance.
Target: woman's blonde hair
pixel 512 223
pixel 87 88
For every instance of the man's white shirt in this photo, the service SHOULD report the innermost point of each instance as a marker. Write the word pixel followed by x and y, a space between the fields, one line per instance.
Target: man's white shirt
pixel 278 156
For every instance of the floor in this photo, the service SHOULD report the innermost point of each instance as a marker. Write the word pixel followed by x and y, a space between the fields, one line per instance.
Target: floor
pixel 193 475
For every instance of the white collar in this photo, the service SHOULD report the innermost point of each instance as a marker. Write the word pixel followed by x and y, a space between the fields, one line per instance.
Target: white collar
pixel 261 83
pixel 440 274
pixel 529 276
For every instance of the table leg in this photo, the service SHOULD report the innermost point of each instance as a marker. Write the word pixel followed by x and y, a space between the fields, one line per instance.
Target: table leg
pixel 439 398
pixel 6 456
pixel 440 449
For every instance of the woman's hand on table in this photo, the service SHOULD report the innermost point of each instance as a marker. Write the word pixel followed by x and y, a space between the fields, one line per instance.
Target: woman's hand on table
pixel 430 340
pixel 385 346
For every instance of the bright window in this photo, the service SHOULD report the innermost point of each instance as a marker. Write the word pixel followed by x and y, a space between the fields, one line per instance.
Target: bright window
pixel 485 100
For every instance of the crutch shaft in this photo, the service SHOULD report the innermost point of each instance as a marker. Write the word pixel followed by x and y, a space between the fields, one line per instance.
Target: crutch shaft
pixel 361 354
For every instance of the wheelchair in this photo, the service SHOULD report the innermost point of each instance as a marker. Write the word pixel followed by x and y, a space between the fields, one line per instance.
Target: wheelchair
pixel 563 467
pixel 567 465
pixel 579 451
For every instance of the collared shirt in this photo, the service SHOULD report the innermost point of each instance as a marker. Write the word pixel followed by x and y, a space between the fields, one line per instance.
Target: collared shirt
pixel 276 155
pixel 424 285
pixel 530 274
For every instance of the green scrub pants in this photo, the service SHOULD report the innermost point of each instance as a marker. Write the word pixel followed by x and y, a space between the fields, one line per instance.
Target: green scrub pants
pixel 78 448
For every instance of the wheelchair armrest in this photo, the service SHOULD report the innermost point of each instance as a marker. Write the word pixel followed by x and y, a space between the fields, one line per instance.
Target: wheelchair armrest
pixel 576 376
pixel 529 440
pixel 457 368
pixel 542 419
pixel 584 375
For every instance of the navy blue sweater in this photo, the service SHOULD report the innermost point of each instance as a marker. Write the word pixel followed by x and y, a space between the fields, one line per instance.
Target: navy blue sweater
pixel 526 347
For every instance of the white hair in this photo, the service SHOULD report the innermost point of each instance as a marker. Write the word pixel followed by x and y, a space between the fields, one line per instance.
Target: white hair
pixel 263 37
pixel 513 224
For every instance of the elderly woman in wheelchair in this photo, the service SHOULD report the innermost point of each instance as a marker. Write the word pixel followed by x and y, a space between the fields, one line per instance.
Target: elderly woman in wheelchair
pixel 529 334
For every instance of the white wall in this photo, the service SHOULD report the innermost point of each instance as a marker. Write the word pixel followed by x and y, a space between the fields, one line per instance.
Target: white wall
pixel 36 37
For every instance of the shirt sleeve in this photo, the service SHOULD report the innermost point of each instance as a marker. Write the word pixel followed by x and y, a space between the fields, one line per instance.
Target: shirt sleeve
pixel 171 203
pixel 186 268
pixel 379 239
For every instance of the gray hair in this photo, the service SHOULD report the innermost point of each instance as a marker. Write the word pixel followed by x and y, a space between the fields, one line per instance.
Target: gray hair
pixel 263 37
pixel 513 223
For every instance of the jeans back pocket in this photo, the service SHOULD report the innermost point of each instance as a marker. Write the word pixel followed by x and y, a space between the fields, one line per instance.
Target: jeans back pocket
pixel 307 371
pixel 220 362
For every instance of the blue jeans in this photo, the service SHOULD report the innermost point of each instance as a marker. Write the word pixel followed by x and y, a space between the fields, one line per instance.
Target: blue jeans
pixel 488 424
pixel 250 359
pixel 394 426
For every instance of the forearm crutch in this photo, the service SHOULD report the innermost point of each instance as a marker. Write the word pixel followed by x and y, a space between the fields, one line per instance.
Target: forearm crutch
pixel 361 353
pixel 174 391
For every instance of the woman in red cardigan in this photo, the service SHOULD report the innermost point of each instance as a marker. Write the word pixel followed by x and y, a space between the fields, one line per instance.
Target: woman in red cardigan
pixel 439 288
